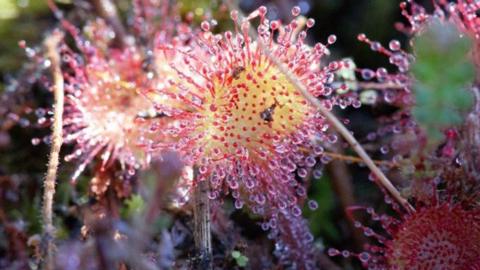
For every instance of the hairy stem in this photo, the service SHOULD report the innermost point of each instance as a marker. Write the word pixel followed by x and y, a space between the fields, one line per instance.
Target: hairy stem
pixel 380 86
pixel 51 45
pixel 354 159
pixel 202 230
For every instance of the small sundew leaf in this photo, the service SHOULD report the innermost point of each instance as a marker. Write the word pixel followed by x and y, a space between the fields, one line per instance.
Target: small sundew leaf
pixel 443 73
pixel 236 254
pixel 240 259
pixel 133 206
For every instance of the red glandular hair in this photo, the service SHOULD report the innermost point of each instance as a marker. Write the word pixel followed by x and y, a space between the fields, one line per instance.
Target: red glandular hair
pixel 463 13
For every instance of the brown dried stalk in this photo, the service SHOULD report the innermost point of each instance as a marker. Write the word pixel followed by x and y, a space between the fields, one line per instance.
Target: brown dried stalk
pixel 380 86
pixel 51 46
pixel 354 159
pixel 202 224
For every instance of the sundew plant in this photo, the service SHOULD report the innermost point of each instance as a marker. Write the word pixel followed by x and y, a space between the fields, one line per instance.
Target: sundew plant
pixel 162 134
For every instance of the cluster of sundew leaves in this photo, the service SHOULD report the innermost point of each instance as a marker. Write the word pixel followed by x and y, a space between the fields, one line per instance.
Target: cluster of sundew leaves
pixel 424 103
pixel 271 111
pixel 107 112
pixel 442 233
pixel 248 129
pixel 364 257
pixel 220 101
pixel 459 62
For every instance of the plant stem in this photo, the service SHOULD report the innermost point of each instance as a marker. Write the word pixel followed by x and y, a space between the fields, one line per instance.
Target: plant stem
pixel 51 45
pixel 380 86
pixel 202 226
pixel 354 159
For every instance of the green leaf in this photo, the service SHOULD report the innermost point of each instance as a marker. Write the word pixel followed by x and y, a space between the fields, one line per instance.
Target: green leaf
pixel 443 74
pixel 240 259
pixel 236 254
pixel 133 206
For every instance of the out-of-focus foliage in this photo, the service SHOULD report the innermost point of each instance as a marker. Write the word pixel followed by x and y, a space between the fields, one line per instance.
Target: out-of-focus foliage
pixel 443 74
pixel 19 20
pixel 133 206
